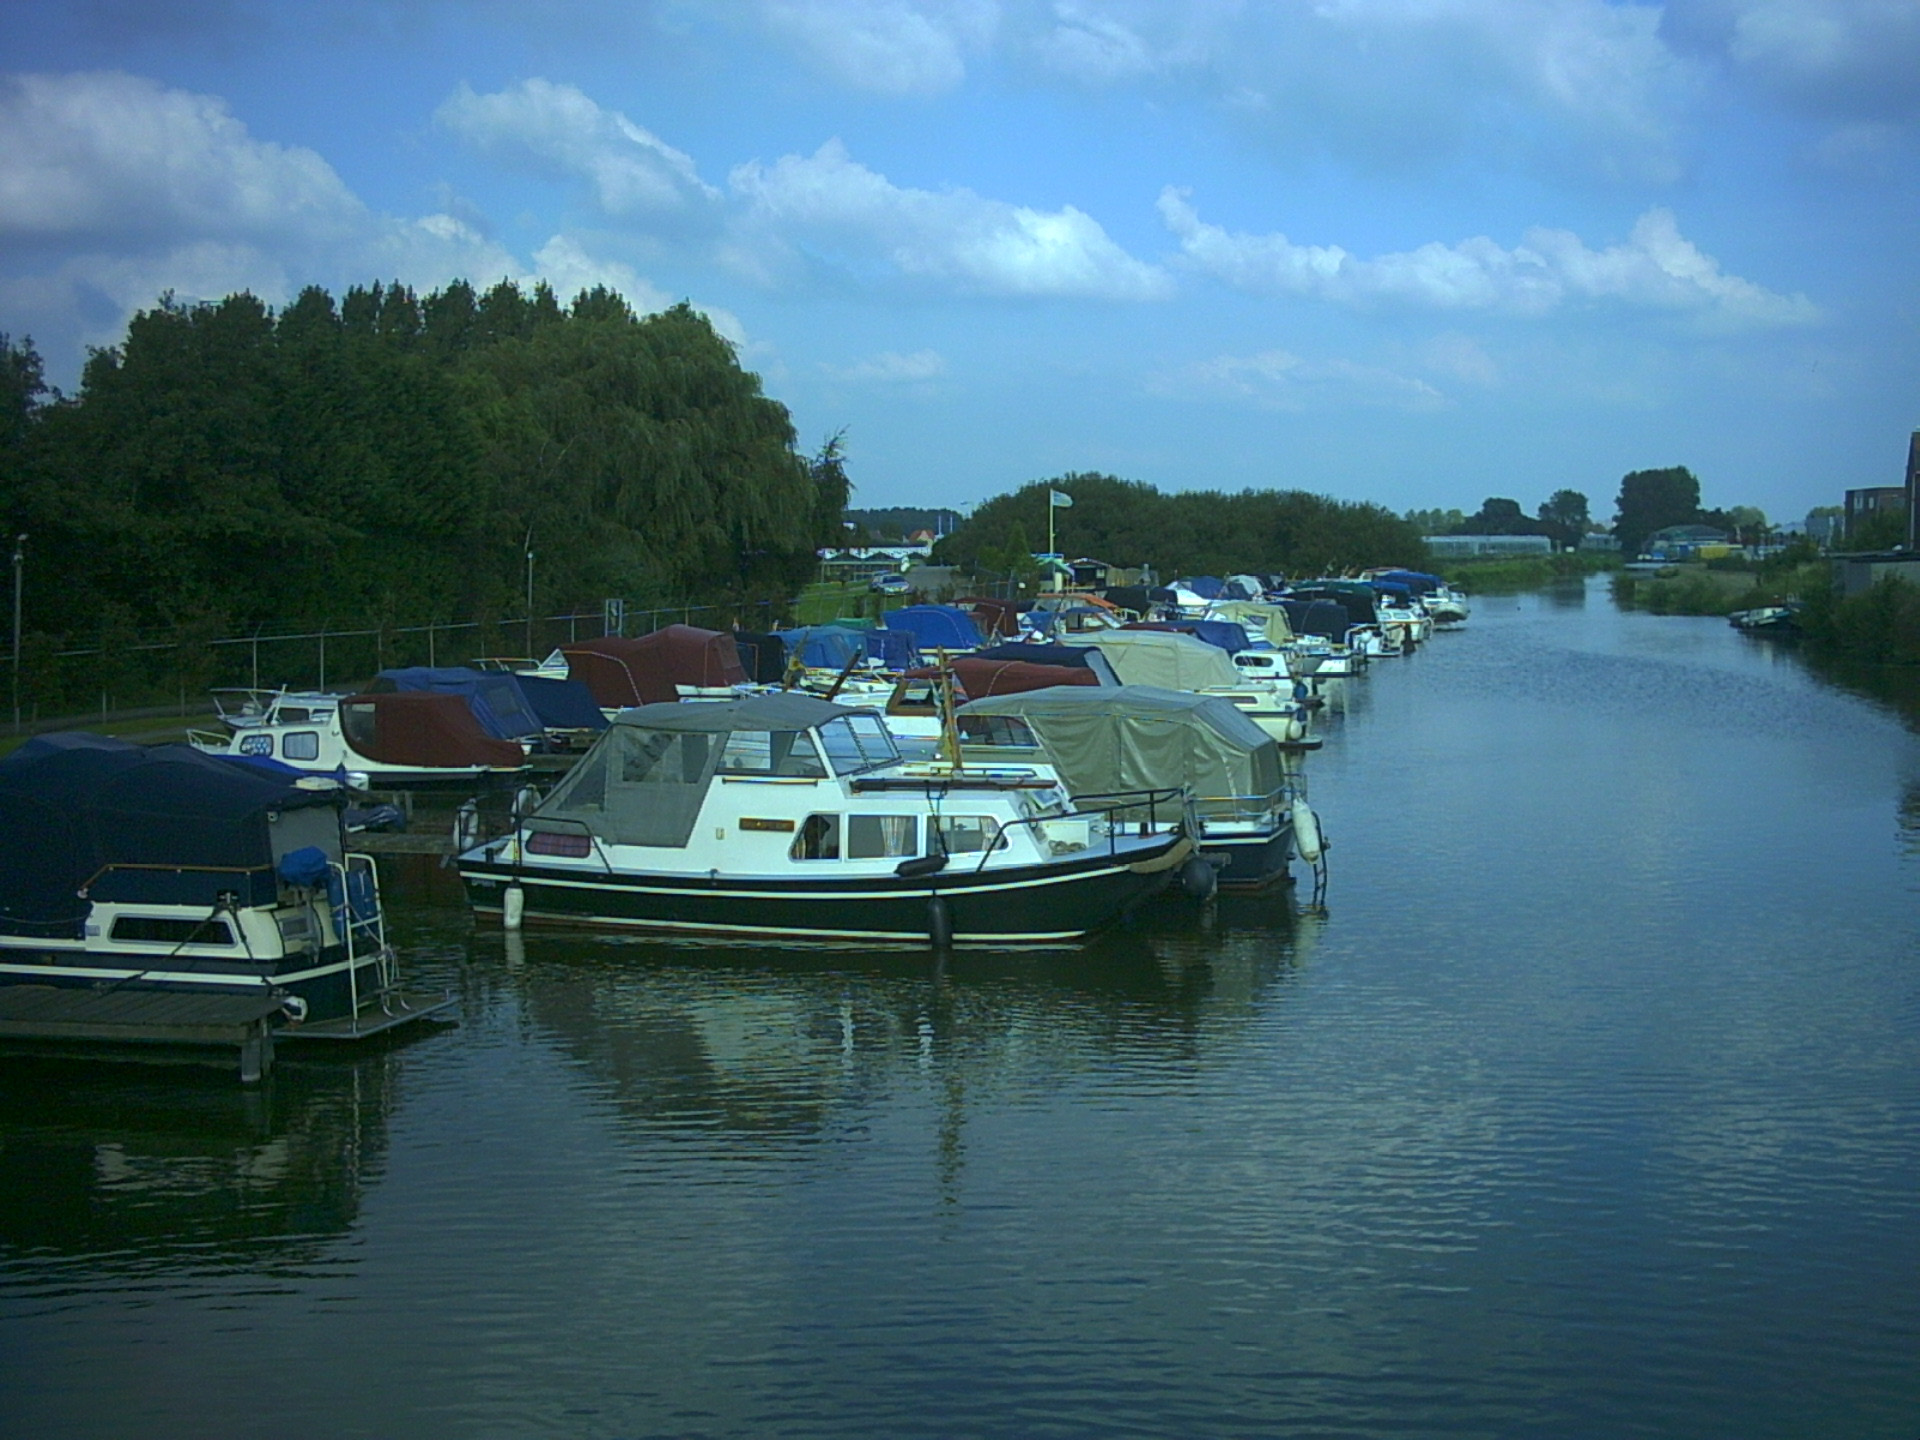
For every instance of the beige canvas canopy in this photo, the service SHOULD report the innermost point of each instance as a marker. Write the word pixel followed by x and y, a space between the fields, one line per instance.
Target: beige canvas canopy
pixel 1109 739
pixel 1268 620
pixel 1164 658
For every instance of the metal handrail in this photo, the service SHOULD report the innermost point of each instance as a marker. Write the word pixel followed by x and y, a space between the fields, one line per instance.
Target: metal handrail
pixel 1124 800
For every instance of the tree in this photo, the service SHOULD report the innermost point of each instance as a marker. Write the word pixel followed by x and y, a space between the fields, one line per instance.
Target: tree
pixel 1436 522
pixel 1564 514
pixel 1652 500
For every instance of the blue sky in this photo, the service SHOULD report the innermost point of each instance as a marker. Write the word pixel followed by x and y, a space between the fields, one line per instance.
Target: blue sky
pixel 1412 251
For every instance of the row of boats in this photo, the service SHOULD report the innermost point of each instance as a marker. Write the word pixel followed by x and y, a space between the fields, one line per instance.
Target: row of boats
pixel 1026 789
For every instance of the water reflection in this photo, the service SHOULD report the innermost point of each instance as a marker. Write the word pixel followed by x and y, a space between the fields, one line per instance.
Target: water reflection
pixel 126 1165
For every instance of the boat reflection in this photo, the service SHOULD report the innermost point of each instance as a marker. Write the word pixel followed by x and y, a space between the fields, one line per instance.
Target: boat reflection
pixel 784 1043
pixel 119 1163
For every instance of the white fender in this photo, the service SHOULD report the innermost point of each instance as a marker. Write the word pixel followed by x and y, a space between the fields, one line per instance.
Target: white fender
pixel 466 827
pixel 514 907
pixel 1306 832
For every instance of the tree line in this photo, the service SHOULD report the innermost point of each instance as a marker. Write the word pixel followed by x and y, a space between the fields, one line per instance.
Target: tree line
pixel 1127 522
pixel 395 459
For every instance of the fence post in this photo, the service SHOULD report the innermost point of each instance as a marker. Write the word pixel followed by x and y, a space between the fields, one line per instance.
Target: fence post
pixel 323 654
pixel 431 661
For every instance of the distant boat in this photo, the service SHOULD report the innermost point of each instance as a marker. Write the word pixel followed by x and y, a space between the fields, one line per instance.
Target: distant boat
pixel 398 741
pixel 1768 619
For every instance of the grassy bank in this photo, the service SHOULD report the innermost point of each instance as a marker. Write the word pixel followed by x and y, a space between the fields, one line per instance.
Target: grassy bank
pixel 1528 572
pixel 1718 589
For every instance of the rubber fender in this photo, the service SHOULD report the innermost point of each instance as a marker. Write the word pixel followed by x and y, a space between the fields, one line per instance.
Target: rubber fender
pixel 1306 832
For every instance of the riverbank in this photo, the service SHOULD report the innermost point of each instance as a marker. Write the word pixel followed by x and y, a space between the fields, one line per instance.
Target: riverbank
pixel 1508 575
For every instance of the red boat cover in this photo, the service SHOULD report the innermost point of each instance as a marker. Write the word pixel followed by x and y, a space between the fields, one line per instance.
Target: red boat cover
pixel 994 617
pixel 621 672
pixel 981 678
pixel 417 727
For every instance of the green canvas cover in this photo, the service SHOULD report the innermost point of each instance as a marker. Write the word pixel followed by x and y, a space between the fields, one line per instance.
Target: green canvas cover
pixel 1164 659
pixel 1140 737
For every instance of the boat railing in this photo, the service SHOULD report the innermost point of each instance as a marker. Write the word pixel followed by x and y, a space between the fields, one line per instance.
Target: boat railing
pixel 1149 808
pixel 360 920
pixel 1242 807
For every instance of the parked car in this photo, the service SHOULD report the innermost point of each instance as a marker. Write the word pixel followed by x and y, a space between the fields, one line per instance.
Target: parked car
pixel 890 584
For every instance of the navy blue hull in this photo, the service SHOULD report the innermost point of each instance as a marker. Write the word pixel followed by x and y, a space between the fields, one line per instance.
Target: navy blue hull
pixel 1029 904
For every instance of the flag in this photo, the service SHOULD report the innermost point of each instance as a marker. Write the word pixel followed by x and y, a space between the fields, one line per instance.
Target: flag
pixel 1059 499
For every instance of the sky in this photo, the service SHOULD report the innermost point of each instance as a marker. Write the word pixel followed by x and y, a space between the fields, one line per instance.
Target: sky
pixel 1414 252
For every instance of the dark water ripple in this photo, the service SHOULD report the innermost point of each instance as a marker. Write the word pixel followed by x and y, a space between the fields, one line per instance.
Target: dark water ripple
pixel 1588 1108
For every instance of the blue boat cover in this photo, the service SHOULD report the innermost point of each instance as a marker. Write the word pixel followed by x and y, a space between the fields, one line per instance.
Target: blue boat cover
pixel 894 649
pixel 1325 618
pixel 1207 587
pixel 1418 581
pixel 1392 587
pixel 1229 635
pixel 935 627
pixel 90 802
pixel 560 704
pixel 824 647
pixel 494 697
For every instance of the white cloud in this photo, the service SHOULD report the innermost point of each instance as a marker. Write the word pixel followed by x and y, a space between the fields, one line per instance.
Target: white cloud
pixel 1657 269
pixel 559 129
pixel 836 207
pixel 109 154
pixel 891 47
pixel 1281 380
pixel 890 367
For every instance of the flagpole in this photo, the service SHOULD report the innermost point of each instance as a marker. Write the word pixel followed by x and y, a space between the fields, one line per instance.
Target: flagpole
pixel 1050 522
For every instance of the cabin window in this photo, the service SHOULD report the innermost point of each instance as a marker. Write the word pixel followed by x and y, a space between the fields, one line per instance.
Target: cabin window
pixel 997 730
pixel 788 754
pixel 873 837
pixel 167 930
pixel 570 844
pixel 666 757
pixel 357 722
pixel 300 745
pixel 856 743
pixel 256 745
pixel 970 834
pixel 818 839
pixel 292 715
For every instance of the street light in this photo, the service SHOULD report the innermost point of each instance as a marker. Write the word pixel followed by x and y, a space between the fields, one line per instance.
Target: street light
pixel 19 570
pixel 528 547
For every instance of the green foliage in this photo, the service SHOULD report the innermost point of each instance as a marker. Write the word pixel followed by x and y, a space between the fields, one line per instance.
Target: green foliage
pixel 1128 523
pixel 1436 522
pixel 1563 515
pixel 1878 530
pixel 1652 500
pixel 1881 625
pixel 391 460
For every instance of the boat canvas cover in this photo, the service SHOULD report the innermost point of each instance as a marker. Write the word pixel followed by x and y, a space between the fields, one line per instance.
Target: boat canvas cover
pixel 825 647
pixel 622 672
pixel 1083 657
pixel 894 649
pixel 1170 661
pixel 494 696
pixel 993 616
pixel 1270 621
pixel 1327 619
pixel 561 704
pixel 763 655
pixel 88 802
pixel 1138 598
pixel 644 781
pixel 1141 737
pixel 936 627
pixel 1229 635
pixel 423 729
pixel 980 678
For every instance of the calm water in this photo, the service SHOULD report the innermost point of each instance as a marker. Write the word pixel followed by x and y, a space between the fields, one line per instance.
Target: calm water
pixel 1590 1107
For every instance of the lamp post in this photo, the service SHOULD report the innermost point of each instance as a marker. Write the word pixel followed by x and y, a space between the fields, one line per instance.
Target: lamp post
pixel 19 571
pixel 529 549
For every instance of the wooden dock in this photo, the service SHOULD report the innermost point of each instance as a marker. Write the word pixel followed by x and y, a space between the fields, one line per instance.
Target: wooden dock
pixel 61 1015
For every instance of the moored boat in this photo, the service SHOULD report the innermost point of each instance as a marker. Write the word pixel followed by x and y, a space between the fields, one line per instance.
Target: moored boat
pixel 785 815
pixel 164 869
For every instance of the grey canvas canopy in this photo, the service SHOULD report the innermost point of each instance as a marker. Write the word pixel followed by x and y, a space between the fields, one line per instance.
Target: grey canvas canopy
pixel 645 779
pixel 1162 658
pixel 1139 737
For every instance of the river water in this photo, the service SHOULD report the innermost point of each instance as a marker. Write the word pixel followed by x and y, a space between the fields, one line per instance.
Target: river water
pixel 1590 1106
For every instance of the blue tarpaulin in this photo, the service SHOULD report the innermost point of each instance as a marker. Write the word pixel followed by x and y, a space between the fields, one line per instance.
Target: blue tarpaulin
pixel 936 627
pixel 894 649
pixel 561 704
pixel 824 647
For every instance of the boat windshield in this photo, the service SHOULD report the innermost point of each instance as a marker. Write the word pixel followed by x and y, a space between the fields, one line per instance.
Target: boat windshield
pixel 858 743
